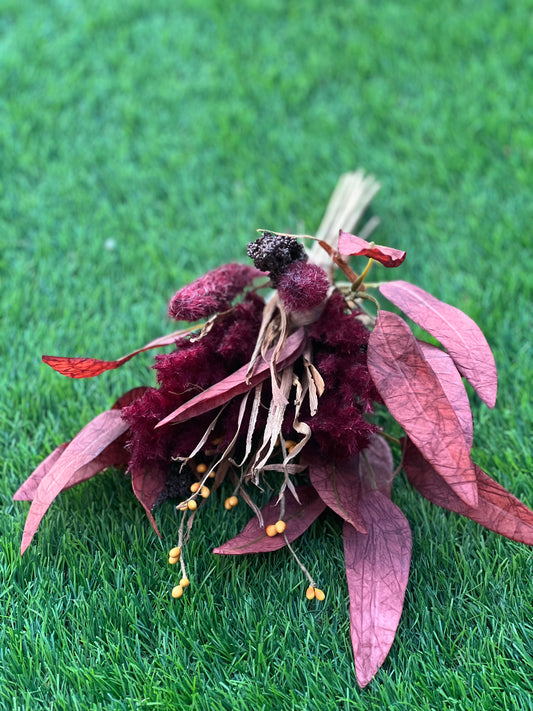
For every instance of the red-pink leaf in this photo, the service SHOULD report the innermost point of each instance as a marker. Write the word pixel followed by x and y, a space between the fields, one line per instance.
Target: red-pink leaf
pixel 339 487
pixel 377 569
pixel 147 486
pixel 497 510
pixel 415 398
pixel 113 456
pixel 27 491
pixel 457 332
pixel 80 452
pixel 376 466
pixel 350 245
pixel 452 384
pixel 89 367
pixel 236 383
pixel 298 517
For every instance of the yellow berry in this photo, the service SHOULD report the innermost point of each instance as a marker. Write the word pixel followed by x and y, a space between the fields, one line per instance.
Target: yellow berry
pixel 184 582
pixel 204 492
pixel 280 526
pixel 201 468
pixel 271 530
pixel 177 591
pixel 233 501
pixel 192 505
pixel 195 486
pixel 172 559
pixel 290 445
pixel 310 593
pixel 227 505
pixel 319 594
pixel 212 474
pixel 174 552
pixel 182 507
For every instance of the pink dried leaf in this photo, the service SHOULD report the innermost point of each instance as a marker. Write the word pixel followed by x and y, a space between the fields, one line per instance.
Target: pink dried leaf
pixel 376 466
pixel 339 487
pixel 115 455
pixel 415 398
pixel 27 491
pixel 211 293
pixel 497 510
pixel 86 446
pixel 237 384
pixel 298 517
pixel 452 384
pixel 89 367
pixel 147 486
pixel 457 332
pixel 377 570
pixel 352 246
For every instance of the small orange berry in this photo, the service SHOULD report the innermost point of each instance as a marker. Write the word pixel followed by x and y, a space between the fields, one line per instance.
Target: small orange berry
pixel 233 501
pixel 177 591
pixel 201 468
pixel 280 526
pixel 174 552
pixel 271 531
pixel 195 487
pixel 205 492
pixel 310 593
pixel 319 594
pixel 212 474
pixel 227 505
pixel 172 559
pixel 192 505
pixel 182 507
pixel 290 445
pixel 184 582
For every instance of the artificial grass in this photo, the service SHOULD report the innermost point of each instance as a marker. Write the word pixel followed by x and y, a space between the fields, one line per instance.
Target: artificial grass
pixel 142 144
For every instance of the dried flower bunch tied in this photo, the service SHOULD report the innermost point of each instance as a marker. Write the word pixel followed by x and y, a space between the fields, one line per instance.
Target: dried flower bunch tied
pixel 282 389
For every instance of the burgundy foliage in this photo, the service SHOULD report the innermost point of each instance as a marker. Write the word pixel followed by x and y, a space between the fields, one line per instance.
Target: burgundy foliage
pixel 461 336
pixel 350 245
pixel 497 509
pixel 377 569
pixel 415 398
pixel 299 515
pixel 83 450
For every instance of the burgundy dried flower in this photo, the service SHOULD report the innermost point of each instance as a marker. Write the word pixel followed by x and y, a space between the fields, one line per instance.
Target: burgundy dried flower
pixel 274 253
pixel 302 286
pixel 211 293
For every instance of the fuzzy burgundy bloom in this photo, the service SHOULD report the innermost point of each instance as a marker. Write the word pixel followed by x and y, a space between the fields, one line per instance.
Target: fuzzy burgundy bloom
pixel 303 286
pixel 211 293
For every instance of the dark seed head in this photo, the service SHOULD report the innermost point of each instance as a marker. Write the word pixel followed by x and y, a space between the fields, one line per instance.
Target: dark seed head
pixel 274 253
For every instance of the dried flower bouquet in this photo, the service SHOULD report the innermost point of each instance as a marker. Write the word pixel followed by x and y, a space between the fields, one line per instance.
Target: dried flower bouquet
pixel 284 389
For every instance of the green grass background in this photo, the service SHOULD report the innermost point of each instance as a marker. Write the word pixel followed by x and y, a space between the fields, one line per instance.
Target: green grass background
pixel 170 130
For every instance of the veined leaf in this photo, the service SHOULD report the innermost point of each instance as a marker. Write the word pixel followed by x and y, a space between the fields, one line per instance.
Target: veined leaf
pixel 298 517
pixel 86 446
pixel 453 386
pixel 147 486
pixel 415 398
pixel 377 570
pixel 497 509
pixel 376 466
pixel 339 487
pixel 350 245
pixel 236 383
pixel 457 332
pixel 27 491
pixel 89 367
